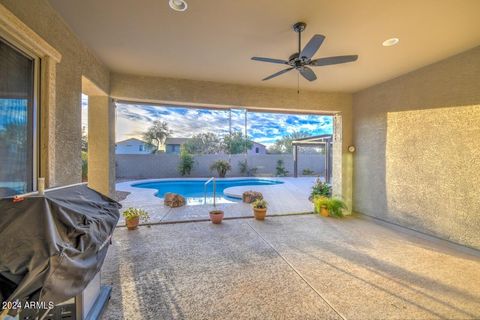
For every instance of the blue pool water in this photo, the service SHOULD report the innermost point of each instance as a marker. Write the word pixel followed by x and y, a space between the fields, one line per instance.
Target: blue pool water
pixel 193 190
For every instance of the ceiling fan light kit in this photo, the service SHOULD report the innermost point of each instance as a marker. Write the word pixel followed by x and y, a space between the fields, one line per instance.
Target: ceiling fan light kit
pixel 302 60
pixel 390 42
pixel 178 5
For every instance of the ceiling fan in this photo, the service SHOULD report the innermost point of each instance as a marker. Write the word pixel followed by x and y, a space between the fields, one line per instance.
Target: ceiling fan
pixel 302 59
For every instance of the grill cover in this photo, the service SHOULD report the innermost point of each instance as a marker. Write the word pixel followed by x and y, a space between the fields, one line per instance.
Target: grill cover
pixel 52 246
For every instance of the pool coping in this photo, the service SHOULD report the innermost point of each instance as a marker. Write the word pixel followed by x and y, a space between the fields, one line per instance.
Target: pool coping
pixel 234 192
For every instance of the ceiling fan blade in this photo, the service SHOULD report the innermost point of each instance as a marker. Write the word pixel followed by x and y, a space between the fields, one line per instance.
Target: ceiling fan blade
pixel 277 74
pixel 308 73
pixel 270 60
pixel 333 60
pixel 312 46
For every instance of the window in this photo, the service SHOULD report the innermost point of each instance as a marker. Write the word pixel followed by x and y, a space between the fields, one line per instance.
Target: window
pixel 257 150
pixel 18 159
pixel 141 148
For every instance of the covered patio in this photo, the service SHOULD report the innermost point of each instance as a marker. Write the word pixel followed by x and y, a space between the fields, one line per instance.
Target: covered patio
pixel 295 267
pixel 403 155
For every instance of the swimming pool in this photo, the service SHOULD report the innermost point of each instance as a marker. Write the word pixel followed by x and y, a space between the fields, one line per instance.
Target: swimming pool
pixel 193 190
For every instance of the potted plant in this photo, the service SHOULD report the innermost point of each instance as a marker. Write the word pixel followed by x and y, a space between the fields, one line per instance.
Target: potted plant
pixel 132 217
pixel 320 189
pixel 329 206
pixel 259 209
pixel 222 167
pixel 216 216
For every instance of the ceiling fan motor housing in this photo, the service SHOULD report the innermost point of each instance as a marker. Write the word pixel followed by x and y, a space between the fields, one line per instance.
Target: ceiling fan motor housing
pixel 295 61
pixel 299 26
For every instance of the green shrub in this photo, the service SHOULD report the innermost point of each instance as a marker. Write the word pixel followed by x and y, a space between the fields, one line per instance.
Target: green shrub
pixel 335 206
pixel 308 172
pixel 281 171
pixel 186 162
pixel 84 166
pixel 245 170
pixel 321 189
pixel 222 167
pixel 243 167
pixel 132 213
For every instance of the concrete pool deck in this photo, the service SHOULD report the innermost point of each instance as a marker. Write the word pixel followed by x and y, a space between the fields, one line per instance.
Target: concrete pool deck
pixel 289 267
pixel 288 198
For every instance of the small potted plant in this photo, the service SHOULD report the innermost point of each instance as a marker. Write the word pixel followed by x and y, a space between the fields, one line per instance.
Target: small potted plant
pixel 329 206
pixel 132 217
pixel 222 167
pixel 216 216
pixel 259 209
pixel 320 189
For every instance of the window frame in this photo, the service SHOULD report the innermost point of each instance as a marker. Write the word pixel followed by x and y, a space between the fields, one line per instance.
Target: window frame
pixel 35 103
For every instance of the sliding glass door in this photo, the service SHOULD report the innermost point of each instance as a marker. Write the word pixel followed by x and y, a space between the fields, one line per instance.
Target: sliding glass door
pixel 17 120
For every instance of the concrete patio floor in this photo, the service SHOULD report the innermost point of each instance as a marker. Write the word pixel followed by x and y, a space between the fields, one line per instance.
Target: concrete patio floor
pixel 288 198
pixel 290 267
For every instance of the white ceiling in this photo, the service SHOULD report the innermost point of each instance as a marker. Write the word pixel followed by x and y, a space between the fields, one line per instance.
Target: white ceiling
pixel 214 39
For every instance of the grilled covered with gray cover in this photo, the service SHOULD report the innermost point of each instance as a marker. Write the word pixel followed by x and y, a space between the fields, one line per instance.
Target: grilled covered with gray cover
pixel 52 246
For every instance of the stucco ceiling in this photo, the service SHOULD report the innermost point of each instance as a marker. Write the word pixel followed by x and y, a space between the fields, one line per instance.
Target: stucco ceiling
pixel 214 39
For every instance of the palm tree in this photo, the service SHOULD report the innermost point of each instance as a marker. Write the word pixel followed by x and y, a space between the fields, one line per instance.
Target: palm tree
pixel 157 134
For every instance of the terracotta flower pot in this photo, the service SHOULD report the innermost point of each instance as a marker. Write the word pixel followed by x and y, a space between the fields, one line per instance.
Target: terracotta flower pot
pixel 132 224
pixel 260 213
pixel 324 211
pixel 216 216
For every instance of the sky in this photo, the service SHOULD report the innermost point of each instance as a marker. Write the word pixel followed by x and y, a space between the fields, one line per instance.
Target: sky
pixel 84 113
pixel 134 119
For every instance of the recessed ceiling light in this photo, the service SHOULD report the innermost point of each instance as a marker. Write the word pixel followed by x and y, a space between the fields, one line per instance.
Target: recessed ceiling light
pixel 178 5
pixel 390 42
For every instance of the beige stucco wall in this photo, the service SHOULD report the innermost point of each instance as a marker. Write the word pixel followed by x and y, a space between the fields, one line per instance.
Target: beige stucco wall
pixel 181 91
pixel 418 155
pixel 76 61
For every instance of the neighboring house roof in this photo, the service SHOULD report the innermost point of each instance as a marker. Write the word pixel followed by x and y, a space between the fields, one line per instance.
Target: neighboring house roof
pixel 176 140
pixel 132 140
pixel 259 143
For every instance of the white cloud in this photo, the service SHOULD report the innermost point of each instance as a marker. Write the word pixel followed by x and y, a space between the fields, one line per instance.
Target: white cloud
pixel 133 120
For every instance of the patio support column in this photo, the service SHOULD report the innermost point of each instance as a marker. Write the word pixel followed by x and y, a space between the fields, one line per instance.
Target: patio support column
pixel 342 160
pixel 101 144
pixel 295 161
pixel 327 162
